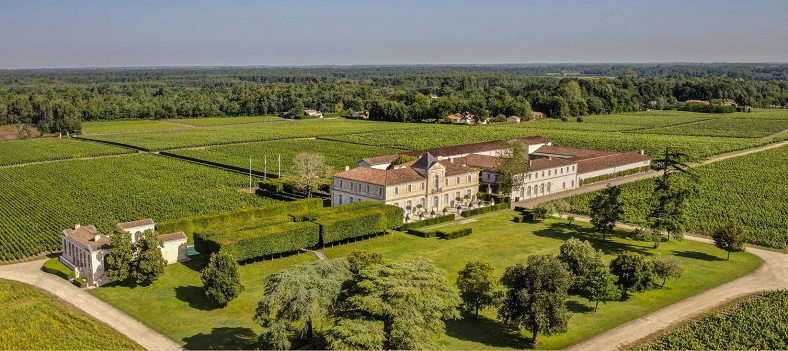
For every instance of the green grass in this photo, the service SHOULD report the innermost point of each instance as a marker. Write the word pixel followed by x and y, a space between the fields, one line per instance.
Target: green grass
pixel 177 295
pixel 32 319
pixel 219 121
pixel 38 201
pixel 220 135
pixel 48 149
pixel 337 154
pixel 126 126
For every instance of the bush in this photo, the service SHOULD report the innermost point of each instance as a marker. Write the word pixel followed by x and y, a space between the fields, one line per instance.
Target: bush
pixel 343 226
pixel 487 209
pixel 430 234
pixel 525 217
pixel 54 266
pixel 455 234
pixel 427 222
pixel 262 241
pixel 78 282
pixel 498 198
pixel 272 185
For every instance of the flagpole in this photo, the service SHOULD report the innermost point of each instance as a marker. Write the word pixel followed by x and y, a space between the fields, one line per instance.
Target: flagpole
pixel 279 173
pixel 265 167
pixel 250 174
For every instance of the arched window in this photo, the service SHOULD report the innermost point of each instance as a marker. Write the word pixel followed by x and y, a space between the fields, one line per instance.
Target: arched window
pixel 137 236
pixel 548 187
pixel 435 202
pixel 529 190
pixel 541 191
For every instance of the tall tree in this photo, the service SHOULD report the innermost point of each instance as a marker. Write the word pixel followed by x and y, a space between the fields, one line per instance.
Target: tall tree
pixel 221 279
pixel 634 272
pixel 536 296
pixel 394 306
pixel 360 259
pixel 606 209
pixel 299 296
pixel 512 167
pixel 309 168
pixel 121 257
pixel 581 259
pixel 148 262
pixel 666 268
pixel 561 207
pixel 730 237
pixel 477 285
pixel 600 286
pixel 671 192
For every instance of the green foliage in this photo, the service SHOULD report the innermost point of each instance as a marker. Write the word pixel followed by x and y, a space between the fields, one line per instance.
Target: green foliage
pixel 454 234
pixel 634 272
pixel 148 263
pixel 121 258
pixel 730 237
pixel 49 149
pixel 220 279
pixel 512 167
pixel 560 207
pixel 666 268
pixel 619 174
pixel 543 211
pixel 477 285
pixel 755 322
pixel 308 168
pixel 355 220
pixel 427 222
pixel 486 209
pixel 404 159
pixel 299 298
pixel 264 240
pixel 536 296
pixel 601 286
pixel 356 334
pixel 408 300
pixel 360 259
pixel 739 128
pixel 54 266
pixel 582 261
pixel 33 319
pixel 606 209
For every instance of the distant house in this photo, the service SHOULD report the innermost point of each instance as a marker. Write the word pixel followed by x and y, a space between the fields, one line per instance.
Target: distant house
pixel 360 114
pixel 433 97
pixel 461 118
pixel 513 119
pixel 313 113
pixel 85 248
pixel 704 102
pixel 537 115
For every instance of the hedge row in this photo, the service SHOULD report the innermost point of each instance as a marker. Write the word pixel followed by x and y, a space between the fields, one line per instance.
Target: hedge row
pixel 427 222
pixel 201 223
pixel 260 242
pixel 423 234
pixel 54 266
pixel 498 198
pixel 455 234
pixel 486 209
pixel 614 175
pixel 525 217
pixel 337 223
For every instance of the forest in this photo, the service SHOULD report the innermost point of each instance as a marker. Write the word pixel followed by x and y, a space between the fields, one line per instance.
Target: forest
pixel 59 100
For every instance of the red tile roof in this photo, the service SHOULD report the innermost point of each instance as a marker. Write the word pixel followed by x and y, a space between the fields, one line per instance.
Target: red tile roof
pixel 480 161
pixel 173 236
pixel 572 152
pixel 545 163
pixel 609 161
pixel 134 224
pixel 86 235
pixel 461 149
pixel 533 140
pixel 380 160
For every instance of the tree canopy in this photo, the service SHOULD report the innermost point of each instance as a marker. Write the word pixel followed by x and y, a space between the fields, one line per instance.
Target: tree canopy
pixel 477 285
pixel 606 209
pixel 730 237
pixel 221 279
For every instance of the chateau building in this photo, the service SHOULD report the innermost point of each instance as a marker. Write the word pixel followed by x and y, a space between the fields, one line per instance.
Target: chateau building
pixel 442 175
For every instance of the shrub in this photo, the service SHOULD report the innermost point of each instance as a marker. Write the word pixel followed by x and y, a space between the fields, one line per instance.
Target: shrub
pixel 488 209
pixel 272 185
pixel 78 282
pixel 427 222
pixel 423 234
pixel 262 241
pixel 54 266
pixel 455 234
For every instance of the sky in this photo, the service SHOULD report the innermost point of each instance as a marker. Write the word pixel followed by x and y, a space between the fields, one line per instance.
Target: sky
pixel 69 34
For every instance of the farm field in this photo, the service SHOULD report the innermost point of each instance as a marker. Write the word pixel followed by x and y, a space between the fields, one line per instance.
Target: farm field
pixel 754 322
pixel 772 113
pixel 337 154
pixel 438 136
pixel 648 119
pixel 750 189
pixel 127 126
pixel 39 201
pixel 178 296
pixel 220 135
pixel 724 127
pixel 32 319
pixel 47 149
pixel 219 121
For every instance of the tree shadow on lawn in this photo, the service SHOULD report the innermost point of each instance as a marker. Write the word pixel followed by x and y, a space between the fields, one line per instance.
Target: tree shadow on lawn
pixel 697 255
pixel 223 338
pixel 486 331
pixel 196 298
pixel 577 307
pixel 565 232
pixel 196 262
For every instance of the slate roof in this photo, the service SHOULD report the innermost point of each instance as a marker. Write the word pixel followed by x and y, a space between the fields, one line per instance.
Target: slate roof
pixel 425 162
pixel 134 224
pixel 403 173
pixel 86 235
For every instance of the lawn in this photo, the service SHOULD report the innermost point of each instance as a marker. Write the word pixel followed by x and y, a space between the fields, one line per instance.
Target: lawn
pixel 32 319
pixel 191 320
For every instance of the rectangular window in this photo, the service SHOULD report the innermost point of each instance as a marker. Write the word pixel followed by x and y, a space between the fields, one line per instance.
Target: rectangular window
pixel 458 180
pixel 422 186
pixel 351 186
pixel 396 190
pixel 562 170
pixel 410 188
pixel 341 183
pixel 573 183
pixel 446 181
pixel 548 172
pixel 469 178
pixel 351 199
pixel 542 173
pixel 573 168
pixel 367 188
pixel 488 176
pixel 340 199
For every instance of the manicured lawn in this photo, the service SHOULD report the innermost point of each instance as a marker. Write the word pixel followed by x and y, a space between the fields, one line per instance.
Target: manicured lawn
pixel 33 319
pixel 175 306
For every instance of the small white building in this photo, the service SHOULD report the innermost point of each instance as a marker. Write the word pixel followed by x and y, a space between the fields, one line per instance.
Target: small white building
pixel 513 119
pixel 85 248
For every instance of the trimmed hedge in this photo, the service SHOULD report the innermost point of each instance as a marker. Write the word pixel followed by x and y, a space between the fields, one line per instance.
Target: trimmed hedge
pixel 498 198
pixel 260 242
pixel 455 233
pixel 54 266
pixel 202 223
pixel 78 282
pixel 356 220
pixel 427 222
pixel 525 217
pixel 520 208
pixel 486 209
pixel 430 234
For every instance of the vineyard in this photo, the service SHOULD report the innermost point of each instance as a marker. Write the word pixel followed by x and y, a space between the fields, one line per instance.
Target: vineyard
pixel 220 135
pixel 31 319
pixel 738 128
pixel 748 189
pixel 220 121
pixel 127 126
pixel 47 149
pixel 755 322
pixel 39 201
pixel 337 154
pixel 648 119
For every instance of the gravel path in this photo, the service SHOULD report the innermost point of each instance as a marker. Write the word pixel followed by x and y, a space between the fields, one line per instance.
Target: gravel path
pixel 30 273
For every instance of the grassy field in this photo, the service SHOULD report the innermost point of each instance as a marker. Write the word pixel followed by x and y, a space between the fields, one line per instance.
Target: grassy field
pixel 754 322
pixel 38 201
pixel 750 189
pixel 337 154
pixel 32 319
pixel 47 149
pixel 251 132
pixel 126 126
pixel 178 296
pixel 220 121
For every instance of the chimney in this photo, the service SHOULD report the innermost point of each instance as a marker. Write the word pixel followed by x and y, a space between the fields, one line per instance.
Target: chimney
pixel 347 168
pixel 451 160
pixel 642 152
pixel 77 226
pixel 96 238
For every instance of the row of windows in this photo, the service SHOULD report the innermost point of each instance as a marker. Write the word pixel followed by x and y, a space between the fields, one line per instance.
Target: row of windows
pixel 436 204
pixel 360 187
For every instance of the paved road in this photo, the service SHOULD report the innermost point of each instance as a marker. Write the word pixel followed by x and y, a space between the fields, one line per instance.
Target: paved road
pixel 30 273
pixel 772 275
